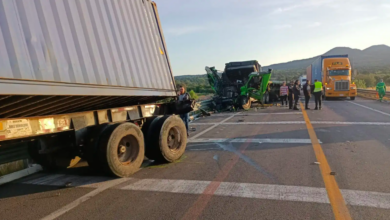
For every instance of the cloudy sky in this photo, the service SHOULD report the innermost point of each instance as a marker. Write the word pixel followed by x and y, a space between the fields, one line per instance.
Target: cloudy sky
pixel 203 33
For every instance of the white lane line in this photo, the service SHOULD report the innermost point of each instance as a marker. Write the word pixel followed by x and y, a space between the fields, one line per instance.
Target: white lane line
pixel 252 123
pixel 263 191
pixel 214 125
pixel 273 192
pixel 369 199
pixel 295 122
pixel 254 140
pixel 84 198
pixel 259 114
pixel 349 123
pixel 62 179
pixel 172 186
pixel 204 149
pixel 363 106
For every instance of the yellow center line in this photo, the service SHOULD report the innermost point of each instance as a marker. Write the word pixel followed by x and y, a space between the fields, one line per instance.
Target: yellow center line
pixel 336 199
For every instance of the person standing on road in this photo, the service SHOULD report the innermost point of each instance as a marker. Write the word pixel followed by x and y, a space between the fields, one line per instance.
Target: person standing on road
pixel 381 89
pixel 318 94
pixel 307 93
pixel 283 93
pixel 184 96
pixel 297 93
pixel 290 94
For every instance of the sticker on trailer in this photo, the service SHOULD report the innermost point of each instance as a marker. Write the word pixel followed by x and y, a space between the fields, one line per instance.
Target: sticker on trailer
pixel 46 125
pixel 341 95
pixel 18 128
pixel 62 124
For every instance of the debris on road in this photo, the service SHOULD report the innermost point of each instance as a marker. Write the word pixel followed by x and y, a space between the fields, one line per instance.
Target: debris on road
pixel 193 129
pixel 317 163
pixel 333 173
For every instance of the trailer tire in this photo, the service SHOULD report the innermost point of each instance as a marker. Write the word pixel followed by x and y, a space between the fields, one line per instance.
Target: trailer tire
pixel 147 130
pixel 247 106
pixel 353 98
pixel 167 139
pixel 122 149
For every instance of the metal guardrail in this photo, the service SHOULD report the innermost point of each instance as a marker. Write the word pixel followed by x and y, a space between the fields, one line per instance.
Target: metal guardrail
pixel 205 105
pixel 371 94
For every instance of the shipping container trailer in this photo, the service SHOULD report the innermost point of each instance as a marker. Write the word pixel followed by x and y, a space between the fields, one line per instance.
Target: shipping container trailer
pixel 82 78
pixel 334 72
pixel 308 73
pixel 317 67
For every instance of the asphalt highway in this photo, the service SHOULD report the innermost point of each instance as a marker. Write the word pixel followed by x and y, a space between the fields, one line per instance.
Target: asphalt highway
pixel 271 163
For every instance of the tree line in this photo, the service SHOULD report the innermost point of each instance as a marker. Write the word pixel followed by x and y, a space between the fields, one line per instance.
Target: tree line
pixel 364 78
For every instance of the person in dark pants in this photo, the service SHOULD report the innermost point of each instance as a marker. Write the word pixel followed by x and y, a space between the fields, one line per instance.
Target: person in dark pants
pixel 318 94
pixel 183 96
pixel 307 93
pixel 290 94
pixel 297 93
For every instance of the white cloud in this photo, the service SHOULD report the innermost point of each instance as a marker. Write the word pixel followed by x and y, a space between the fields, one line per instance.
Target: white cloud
pixel 282 26
pixel 285 9
pixel 362 20
pixel 304 4
pixel 313 25
pixel 183 30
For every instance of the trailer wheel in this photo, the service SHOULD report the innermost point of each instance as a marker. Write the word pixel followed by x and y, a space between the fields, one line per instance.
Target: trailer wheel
pixel 247 106
pixel 147 131
pixel 168 139
pixel 122 150
pixel 353 98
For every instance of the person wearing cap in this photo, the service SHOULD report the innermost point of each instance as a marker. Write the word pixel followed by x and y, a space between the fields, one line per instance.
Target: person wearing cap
pixel 381 89
pixel 297 93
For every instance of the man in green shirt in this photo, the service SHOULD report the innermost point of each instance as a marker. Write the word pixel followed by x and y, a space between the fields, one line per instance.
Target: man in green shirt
pixel 317 93
pixel 381 89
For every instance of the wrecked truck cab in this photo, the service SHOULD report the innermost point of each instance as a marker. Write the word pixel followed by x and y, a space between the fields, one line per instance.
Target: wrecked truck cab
pixel 239 85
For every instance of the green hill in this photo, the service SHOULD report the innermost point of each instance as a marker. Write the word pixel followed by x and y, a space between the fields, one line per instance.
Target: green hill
pixel 371 64
pixel 376 57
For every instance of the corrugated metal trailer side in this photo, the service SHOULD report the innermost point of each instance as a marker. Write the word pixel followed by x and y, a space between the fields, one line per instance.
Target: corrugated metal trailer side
pixel 317 66
pixel 79 79
pixel 316 69
pixel 83 47
pixel 308 73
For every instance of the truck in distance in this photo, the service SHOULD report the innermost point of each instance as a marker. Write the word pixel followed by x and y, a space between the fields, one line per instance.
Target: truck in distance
pixel 334 72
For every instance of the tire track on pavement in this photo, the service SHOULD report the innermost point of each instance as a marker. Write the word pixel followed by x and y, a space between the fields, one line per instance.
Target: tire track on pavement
pixel 200 204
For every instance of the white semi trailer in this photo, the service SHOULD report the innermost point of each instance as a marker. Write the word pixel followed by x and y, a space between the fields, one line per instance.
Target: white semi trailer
pixel 81 79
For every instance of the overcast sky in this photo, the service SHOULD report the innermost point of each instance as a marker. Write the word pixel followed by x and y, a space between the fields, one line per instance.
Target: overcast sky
pixel 203 33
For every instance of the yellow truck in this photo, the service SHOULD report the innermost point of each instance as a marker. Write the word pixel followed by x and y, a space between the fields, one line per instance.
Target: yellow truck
pixel 335 74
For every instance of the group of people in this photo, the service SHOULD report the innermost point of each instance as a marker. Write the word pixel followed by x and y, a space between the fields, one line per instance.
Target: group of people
pixel 292 91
